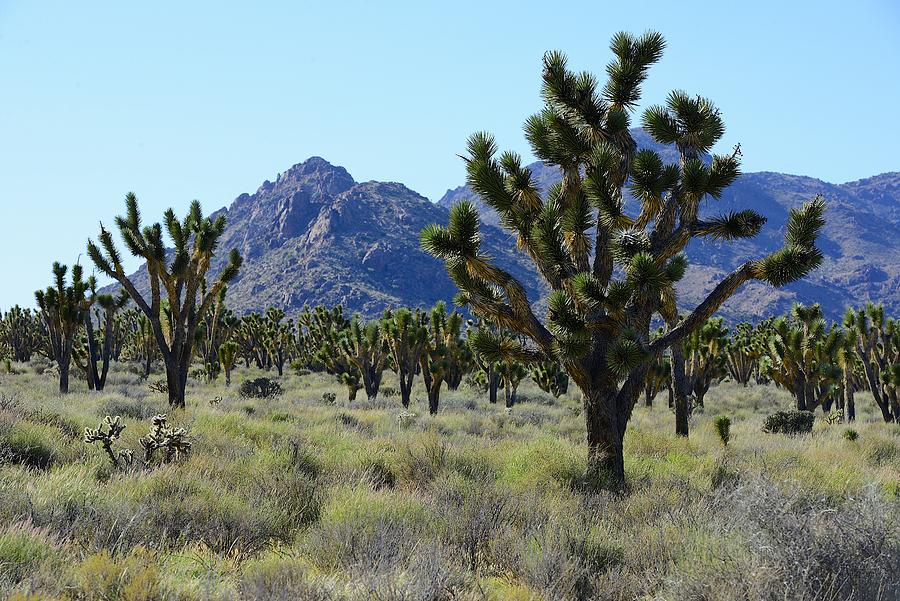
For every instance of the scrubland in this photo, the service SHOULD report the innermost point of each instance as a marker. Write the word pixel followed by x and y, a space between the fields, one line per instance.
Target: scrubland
pixel 302 497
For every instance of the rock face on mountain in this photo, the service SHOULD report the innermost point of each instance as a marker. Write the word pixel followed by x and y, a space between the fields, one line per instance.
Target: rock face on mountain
pixel 861 240
pixel 315 236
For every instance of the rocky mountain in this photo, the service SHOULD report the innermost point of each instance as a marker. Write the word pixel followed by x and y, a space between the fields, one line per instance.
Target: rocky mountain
pixel 314 235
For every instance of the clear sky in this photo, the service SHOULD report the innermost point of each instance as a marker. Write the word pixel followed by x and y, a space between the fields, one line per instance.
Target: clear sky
pixel 184 100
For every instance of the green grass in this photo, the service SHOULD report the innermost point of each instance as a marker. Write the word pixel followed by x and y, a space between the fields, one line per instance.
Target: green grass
pixel 300 499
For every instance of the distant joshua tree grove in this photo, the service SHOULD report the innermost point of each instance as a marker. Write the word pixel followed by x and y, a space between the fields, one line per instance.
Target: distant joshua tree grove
pixel 609 272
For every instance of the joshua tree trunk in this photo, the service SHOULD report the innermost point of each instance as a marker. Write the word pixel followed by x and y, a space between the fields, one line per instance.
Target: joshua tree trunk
pixel 849 403
pixel 679 389
pixel 406 382
pixel 800 393
pixel 606 461
pixel 351 392
pixel 372 383
pixel 63 366
pixel 434 395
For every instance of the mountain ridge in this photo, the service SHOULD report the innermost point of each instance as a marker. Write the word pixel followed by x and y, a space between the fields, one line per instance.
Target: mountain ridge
pixel 316 236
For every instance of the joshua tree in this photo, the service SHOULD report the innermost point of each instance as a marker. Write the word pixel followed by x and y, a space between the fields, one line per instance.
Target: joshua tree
pixel 140 343
pixel 608 272
pixel 742 353
pixel 365 348
pixel 279 339
pixel 217 327
pixel 705 363
pixel 437 359
pixel 405 335
pixel 550 377
pixel 512 373
pixel 878 346
pixel 847 361
pixel 488 369
pixel 251 337
pixel 227 356
pixel 182 279
pixel 659 377
pixel 63 309
pixel 21 334
pixel 802 355
pixel 109 306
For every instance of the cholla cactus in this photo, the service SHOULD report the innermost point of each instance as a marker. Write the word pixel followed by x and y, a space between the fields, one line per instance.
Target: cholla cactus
pixel 106 436
pixel 173 441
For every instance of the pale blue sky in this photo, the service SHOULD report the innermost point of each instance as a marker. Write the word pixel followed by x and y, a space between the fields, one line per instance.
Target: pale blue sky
pixel 184 100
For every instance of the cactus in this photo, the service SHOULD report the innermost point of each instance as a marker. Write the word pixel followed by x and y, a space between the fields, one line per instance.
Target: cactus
pixel 173 442
pixel 106 433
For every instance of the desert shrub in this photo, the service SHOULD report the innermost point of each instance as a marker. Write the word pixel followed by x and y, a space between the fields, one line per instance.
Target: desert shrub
pixel 260 388
pixel 279 579
pixel 329 399
pixel 474 516
pixel 882 451
pixel 133 577
pixel 24 549
pixel 561 558
pixel 138 407
pixel 420 463
pixel 810 547
pixel 26 443
pixel 378 473
pixel 850 434
pixel 789 422
pixel 543 461
pixel 524 416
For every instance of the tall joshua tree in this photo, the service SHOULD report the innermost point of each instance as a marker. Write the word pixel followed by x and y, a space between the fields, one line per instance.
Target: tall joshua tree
pixel 64 309
pixel 181 279
pixel 608 272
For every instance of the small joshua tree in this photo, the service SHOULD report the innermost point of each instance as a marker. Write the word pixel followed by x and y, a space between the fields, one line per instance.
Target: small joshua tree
pixel 106 433
pixel 609 272
pixel 181 280
pixel 406 336
pixel 64 309
pixel 227 357
pixel 722 425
